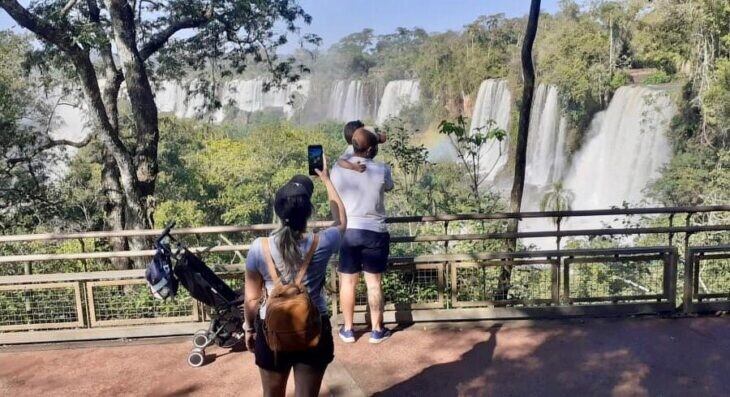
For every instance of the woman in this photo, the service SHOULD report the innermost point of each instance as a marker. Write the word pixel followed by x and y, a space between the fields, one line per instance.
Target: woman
pixel 287 247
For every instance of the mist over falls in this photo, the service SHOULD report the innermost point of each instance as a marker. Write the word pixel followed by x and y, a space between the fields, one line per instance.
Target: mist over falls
pixel 621 152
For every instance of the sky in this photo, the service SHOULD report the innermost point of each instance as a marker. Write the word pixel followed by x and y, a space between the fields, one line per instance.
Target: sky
pixel 334 19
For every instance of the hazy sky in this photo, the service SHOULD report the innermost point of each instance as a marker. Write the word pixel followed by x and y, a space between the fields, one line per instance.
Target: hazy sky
pixel 333 19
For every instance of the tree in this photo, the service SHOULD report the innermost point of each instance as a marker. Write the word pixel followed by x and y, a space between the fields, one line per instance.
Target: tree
pixel 106 44
pixel 29 152
pixel 558 198
pixel 469 146
pixel 528 89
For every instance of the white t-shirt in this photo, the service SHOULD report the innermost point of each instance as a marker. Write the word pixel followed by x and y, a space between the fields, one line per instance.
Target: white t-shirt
pixel 363 193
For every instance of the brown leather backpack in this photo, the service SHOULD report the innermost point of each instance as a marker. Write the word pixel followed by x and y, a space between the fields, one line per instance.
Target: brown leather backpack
pixel 292 321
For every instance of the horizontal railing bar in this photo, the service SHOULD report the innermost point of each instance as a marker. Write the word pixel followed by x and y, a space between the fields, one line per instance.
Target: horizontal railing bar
pixel 111 254
pixel 93 276
pixel 617 298
pixel 560 214
pixel 393 220
pixel 561 233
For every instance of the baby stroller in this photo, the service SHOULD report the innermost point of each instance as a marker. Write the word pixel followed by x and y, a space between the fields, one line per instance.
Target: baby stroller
pixel 226 324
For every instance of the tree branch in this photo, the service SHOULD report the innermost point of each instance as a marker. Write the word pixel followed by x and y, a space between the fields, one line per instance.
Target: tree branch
pixel 39 26
pixel 159 39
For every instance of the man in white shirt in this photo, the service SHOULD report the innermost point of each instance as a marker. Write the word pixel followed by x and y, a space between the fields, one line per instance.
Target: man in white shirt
pixel 366 243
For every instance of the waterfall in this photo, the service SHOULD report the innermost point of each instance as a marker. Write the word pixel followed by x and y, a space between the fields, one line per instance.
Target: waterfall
pixel 494 102
pixel 347 101
pixel 397 95
pixel 546 151
pixel 623 150
pixel 244 95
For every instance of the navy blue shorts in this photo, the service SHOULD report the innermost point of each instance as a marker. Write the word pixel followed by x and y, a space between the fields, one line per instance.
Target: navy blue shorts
pixel 364 250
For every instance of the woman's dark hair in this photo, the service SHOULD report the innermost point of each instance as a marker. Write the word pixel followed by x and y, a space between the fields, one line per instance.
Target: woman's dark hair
pixel 291 231
pixel 350 129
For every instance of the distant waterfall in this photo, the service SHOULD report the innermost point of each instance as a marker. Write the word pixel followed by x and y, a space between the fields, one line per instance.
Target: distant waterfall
pixel 546 151
pixel 347 101
pixel 623 150
pixel 494 102
pixel 397 95
pixel 245 95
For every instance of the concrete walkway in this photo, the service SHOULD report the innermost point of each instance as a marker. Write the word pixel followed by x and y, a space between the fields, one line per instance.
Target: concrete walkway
pixel 627 357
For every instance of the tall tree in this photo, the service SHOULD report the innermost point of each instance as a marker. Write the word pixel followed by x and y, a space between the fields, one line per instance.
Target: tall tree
pixel 528 75
pixel 107 43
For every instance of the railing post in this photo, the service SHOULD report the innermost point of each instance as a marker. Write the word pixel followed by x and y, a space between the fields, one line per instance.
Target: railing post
pixel 671 223
pixel 688 292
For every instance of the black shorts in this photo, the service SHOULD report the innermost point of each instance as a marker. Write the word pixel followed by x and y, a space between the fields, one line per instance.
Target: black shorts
pixel 318 357
pixel 364 250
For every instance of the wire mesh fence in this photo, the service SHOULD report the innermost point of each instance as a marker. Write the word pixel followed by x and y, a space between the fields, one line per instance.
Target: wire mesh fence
pixel 40 306
pixel 613 280
pixel 492 283
pixel 130 301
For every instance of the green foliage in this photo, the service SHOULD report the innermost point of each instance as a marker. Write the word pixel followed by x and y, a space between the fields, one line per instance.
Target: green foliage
pixel 660 77
pixel 470 146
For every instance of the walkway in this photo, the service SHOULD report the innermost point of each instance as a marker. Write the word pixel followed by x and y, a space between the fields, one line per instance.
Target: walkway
pixel 627 357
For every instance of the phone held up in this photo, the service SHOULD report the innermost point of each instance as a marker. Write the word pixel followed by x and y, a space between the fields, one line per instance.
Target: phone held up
pixel 315 154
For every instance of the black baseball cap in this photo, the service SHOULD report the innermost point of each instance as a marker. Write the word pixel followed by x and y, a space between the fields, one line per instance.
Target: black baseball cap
pixel 292 202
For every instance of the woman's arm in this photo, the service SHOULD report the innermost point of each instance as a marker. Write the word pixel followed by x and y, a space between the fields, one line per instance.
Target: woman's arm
pixel 254 284
pixel 338 209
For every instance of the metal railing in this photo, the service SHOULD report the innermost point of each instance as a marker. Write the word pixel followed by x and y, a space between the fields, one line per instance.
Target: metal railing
pixel 434 277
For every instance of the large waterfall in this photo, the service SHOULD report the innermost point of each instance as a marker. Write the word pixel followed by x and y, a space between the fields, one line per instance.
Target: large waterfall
pixel 397 95
pixel 347 101
pixel 546 151
pixel 243 95
pixel 492 107
pixel 624 149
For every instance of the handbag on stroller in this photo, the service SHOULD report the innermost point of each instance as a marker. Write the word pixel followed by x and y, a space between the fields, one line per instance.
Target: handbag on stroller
pixel 226 324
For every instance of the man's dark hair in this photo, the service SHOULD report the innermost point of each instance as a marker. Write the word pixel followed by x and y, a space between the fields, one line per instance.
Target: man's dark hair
pixel 350 129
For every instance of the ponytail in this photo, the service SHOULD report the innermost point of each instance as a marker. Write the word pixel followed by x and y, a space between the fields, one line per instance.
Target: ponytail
pixel 290 233
pixel 288 244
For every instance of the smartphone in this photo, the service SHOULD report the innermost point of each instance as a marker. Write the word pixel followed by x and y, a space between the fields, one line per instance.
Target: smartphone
pixel 315 154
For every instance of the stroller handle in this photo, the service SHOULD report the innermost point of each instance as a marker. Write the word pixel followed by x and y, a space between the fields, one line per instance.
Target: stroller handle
pixel 165 233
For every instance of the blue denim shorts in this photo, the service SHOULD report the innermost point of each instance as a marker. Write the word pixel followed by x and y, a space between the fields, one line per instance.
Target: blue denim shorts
pixel 364 250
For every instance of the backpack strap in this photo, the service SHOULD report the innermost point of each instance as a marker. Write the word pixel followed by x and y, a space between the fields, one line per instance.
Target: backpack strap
pixel 269 260
pixel 303 268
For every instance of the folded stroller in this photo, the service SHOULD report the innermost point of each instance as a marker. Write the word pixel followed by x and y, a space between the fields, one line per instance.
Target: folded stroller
pixel 226 324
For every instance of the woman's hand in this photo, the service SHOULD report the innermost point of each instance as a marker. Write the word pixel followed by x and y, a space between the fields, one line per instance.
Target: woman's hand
pixel 250 340
pixel 325 173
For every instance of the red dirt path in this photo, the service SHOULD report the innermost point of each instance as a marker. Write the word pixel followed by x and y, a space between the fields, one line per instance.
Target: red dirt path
pixel 628 357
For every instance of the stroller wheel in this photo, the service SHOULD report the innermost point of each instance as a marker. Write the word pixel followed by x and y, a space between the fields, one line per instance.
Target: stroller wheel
pixel 201 332
pixel 196 358
pixel 201 340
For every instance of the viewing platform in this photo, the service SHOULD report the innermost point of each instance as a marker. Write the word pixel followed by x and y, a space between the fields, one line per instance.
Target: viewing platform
pixel 639 315
pixel 597 357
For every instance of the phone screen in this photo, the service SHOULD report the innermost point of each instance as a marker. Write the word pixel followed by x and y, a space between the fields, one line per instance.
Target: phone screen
pixel 315 154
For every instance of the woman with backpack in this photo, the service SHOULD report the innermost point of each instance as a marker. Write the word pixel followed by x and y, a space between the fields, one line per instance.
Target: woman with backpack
pixel 287 324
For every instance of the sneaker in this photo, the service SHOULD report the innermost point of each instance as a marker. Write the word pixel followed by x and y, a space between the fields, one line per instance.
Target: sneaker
pixel 377 336
pixel 347 335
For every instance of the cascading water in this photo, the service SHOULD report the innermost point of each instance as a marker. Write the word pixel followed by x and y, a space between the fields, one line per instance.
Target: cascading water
pixel 347 101
pixel 546 156
pixel 397 95
pixel 623 151
pixel 625 148
pixel 492 107
pixel 244 95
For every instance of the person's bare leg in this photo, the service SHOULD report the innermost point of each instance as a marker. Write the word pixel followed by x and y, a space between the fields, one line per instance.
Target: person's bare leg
pixel 375 299
pixel 348 284
pixel 307 380
pixel 273 383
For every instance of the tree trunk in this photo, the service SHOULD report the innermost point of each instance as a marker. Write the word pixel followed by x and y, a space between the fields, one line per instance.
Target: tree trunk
pixel 141 98
pixel 528 73
pixel 114 212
